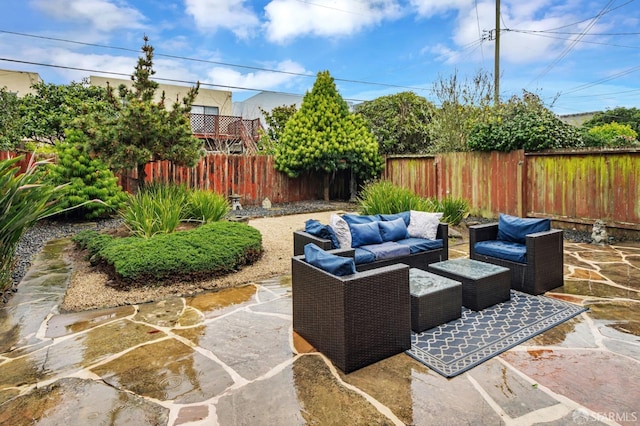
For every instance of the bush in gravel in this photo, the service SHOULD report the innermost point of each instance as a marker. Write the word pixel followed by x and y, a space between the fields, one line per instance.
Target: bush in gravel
pixel 156 208
pixel 206 206
pixel 383 197
pixel 207 251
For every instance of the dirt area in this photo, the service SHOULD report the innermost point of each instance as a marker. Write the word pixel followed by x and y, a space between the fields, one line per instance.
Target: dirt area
pixel 89 289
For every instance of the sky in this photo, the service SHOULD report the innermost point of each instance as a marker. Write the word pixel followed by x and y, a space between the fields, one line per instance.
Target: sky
pixel 577 56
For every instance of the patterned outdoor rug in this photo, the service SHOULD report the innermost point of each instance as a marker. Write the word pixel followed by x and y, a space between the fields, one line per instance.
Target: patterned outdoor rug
pixel 459 345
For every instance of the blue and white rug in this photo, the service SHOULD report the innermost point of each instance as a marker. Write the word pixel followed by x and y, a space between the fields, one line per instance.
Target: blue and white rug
pixel 459 345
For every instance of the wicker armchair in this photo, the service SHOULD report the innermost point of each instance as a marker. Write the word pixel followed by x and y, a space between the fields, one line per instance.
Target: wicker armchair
pixel 355 320
pixel 543 270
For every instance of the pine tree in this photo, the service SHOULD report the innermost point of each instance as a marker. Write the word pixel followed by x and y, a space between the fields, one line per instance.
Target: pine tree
pixel 143 130
pixel 324 136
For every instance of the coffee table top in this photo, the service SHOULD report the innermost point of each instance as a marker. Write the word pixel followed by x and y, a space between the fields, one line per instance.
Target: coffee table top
pixel 423 282
pixel 468 268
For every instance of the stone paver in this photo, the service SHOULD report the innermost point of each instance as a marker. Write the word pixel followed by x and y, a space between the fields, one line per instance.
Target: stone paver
pixel 231 358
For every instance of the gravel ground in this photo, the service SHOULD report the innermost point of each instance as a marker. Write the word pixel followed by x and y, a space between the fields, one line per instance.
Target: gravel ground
pixel 89 289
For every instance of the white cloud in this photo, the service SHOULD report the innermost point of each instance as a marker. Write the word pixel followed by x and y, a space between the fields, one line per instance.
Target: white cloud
pixel 233 15
pixel 515 46
pixel 429 8
pixel 288 19
pixel 101 15
pixel 258 80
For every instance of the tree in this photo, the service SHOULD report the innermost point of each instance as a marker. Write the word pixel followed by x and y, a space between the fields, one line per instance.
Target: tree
pixel 324 136
pixel 10 120
pixel 142 130
pixel 400 122
pixel 523 123
pixel 52 109
pixel 87 179
pixel 463 104
pixel 276 120
pixel 620 115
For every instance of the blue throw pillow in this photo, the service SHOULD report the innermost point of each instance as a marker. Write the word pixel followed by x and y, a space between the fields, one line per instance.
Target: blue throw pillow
pixel 516 229
pixel 393 230
pixel 317 229
pixel 331 263
pixel 365 233
pixel 406 216
pixel 357 218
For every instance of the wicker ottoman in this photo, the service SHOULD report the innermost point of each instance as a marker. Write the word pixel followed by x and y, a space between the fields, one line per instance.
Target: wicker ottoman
pixel 434 299
pixel 483 284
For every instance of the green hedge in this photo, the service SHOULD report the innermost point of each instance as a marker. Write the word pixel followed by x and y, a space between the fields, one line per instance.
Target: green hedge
pixel 207 251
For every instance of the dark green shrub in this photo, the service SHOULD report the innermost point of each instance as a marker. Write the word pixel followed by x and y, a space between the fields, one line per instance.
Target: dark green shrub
pixel 88 179
pixel 204 252
pixel 206 206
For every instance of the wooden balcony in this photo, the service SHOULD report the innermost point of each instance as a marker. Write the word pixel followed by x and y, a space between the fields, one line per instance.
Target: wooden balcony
pixel 227 134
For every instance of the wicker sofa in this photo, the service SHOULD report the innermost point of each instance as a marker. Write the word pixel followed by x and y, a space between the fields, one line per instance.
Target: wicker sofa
pixel 418 258
pixel 357 319
pixel 542 266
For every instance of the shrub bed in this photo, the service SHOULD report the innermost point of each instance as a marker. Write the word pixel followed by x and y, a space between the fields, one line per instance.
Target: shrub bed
pixel 209 250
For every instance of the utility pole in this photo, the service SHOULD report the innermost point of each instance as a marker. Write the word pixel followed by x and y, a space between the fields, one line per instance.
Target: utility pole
pixel 496 67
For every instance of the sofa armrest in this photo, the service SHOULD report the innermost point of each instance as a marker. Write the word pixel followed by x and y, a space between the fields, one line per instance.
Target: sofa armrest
pixel 443 233
pixel 545 247
pixel 483 232
pixel 301 239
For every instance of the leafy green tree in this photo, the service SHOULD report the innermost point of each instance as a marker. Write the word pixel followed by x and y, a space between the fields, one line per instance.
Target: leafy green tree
pixel 143 130
pixel 400 122
pixel 89 179
pixel 52 109
pixel 523 123
pixel 620 115
pixel 463 104
pixel 323 135
pixel 611 135
pixel 10 120
pixel 276 120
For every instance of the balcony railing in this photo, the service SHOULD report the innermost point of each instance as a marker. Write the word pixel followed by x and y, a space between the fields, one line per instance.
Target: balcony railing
pixel 226 133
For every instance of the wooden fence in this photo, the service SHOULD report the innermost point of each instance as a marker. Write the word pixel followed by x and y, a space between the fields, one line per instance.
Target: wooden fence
pixel 577 187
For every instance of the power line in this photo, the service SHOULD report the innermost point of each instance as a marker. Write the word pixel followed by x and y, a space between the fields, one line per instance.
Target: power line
pixel 184 58
pixel 538 34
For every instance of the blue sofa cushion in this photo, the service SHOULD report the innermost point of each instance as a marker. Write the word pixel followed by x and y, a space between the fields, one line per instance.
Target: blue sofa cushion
pixel 417 245
pixel 393 230
pixel 317 229
pixel 363 256
pixel 506 250
pixel 331 263
pixel 352 219
pixel 387 250
pixel 515 229
pixel 406 216
pixel 365 233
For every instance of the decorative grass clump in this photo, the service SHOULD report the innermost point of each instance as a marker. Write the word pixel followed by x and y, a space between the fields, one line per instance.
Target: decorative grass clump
pixel 206 206
pixel 384 197
pixel 204 252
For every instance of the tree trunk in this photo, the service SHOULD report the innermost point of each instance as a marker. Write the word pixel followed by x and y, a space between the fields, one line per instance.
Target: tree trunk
pixel 326 184
pixel 142 177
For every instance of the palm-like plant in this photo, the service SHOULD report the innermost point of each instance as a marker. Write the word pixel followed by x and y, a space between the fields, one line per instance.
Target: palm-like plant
pixel 24 199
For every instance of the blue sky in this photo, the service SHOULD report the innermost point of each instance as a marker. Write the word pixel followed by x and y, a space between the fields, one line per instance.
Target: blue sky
pixel 578 56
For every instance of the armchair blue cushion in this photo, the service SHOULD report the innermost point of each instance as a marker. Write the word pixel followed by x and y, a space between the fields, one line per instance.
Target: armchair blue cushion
pixel 393 230
pixel 331 263
pixel 514 229
pixel 365 233
pixel 507 250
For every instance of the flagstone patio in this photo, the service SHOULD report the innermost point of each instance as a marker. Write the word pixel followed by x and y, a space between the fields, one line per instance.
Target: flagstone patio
pixel 231 358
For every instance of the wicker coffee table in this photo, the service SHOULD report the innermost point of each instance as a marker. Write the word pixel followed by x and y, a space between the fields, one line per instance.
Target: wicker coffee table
pixel 483 284
pixel 434 299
